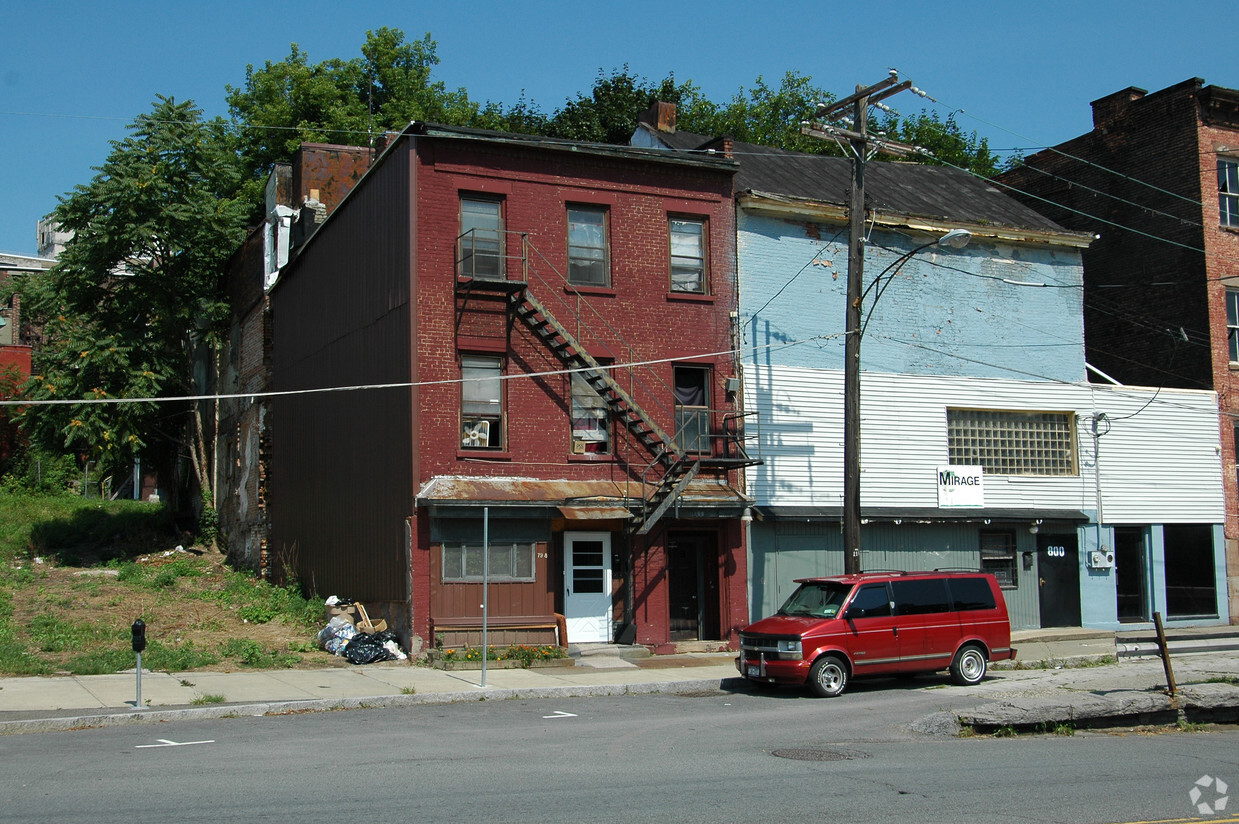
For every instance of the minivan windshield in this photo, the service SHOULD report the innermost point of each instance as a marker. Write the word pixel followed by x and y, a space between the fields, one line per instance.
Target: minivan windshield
pixel 819 600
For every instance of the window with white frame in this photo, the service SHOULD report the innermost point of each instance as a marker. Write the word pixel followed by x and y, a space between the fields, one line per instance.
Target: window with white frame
pixel 1006 442
pixel 1232 323
pixel 688 254
pixel 481 402
pixel 479 249
pixel 589 263
pixel 504 562
pixel 591 424
pixel 1228 191
pixel 998 557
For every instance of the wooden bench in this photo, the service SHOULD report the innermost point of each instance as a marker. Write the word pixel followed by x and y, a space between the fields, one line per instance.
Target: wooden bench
pixel 501 629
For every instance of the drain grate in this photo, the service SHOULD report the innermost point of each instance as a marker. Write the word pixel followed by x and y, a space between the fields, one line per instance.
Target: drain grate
pixel 802 754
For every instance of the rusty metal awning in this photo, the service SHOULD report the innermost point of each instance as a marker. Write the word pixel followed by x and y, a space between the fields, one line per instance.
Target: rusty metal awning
pixel 573 500
pixel 588 512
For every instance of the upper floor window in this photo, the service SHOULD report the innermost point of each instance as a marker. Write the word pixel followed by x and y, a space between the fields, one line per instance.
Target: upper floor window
pixel 688 255
pixel 481 402
pixel 1012 443
pixel 692 412
pixel 1232 323
pixel 479 251
pixel 591 423
pixel 1228 191
pixel 589 263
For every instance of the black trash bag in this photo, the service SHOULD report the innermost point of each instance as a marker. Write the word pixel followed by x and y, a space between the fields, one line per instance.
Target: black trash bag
pixel 385 636
pixel 366 649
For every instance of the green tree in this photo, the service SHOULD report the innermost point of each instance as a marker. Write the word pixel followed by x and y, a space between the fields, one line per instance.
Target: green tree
pixel 135 294
pixel 945 141
pixel 349 102
pixel 764 115
pixel 609 113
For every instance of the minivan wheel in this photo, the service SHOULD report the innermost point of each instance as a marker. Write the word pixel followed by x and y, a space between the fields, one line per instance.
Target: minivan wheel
pixel 828 677
pixel 969 665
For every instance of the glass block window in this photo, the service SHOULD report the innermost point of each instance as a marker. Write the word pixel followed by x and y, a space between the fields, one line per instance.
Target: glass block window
pixel 1012 443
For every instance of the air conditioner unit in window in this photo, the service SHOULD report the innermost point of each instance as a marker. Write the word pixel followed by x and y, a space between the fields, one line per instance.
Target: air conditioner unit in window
pixel 475 434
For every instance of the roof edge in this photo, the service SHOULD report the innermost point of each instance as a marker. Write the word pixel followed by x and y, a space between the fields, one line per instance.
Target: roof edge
pixel 771 203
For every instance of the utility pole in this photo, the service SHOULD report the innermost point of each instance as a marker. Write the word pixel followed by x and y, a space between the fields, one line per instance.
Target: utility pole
pixel 859 142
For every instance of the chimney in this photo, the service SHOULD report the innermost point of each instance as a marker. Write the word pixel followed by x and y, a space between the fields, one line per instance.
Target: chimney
pixel 660 116
pixel 1110 107
pixel 309 217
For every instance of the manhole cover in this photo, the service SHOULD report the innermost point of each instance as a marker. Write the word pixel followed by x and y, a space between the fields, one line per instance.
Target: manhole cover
pixel 801 754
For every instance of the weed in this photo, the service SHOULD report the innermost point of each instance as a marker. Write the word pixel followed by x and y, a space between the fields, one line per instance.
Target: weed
pixel 1189 726
pixel 207 699
pixel 1233 680
pixel 408 690
pixel 1004 731
pixel 967 731
pixel 252 654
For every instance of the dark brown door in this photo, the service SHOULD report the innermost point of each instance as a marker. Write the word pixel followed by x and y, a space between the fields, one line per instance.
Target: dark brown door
pixel 686 586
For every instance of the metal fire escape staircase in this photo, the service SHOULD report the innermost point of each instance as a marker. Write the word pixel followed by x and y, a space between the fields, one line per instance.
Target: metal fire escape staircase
pixel 679 467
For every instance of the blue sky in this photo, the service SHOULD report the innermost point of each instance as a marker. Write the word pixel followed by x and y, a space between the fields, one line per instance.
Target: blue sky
pixel 74 74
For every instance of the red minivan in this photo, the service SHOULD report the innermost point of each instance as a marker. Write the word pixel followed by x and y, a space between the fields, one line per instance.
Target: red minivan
pixel 879 623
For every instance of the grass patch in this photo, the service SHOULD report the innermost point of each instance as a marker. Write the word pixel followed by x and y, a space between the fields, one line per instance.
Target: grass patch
pixel 199 612
pixel 202 700
pixel 250 653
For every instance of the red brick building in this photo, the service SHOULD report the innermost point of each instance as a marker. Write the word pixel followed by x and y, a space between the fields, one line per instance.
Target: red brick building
pixel 523 345
pixel 1158 180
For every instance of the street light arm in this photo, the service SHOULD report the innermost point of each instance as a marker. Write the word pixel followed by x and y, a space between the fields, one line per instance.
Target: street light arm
pixel 955 239
pixel 897 264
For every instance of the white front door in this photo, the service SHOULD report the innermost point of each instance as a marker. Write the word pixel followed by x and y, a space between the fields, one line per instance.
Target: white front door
pixel 587 586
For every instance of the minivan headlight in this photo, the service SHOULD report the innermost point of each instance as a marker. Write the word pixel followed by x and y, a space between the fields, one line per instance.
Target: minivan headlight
pixel 790 649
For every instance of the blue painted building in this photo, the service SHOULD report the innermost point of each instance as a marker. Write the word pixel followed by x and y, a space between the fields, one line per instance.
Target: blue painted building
pixel 1094 504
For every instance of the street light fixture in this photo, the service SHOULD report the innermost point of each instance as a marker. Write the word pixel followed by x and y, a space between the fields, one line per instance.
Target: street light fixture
pixel 954 239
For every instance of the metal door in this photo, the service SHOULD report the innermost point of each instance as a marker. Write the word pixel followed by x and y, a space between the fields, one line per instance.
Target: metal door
pixel 1058 567
pixel 587 586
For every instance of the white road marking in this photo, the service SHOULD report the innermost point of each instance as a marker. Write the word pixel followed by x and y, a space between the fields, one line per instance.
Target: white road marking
pixel 163 742
pixel 561 714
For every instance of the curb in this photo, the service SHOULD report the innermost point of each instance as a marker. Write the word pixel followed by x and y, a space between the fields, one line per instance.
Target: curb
pixel 218 711
pixel 1195 704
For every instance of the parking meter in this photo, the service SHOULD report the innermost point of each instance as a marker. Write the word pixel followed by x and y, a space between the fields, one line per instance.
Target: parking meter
pixel 139 643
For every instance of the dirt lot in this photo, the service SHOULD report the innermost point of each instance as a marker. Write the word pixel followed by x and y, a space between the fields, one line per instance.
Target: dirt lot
pixel 63 614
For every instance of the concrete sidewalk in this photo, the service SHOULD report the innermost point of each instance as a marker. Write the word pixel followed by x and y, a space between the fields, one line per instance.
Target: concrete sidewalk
pixel 1048 681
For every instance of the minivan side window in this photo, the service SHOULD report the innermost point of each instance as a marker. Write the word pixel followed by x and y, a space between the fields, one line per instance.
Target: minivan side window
pixel 971 593
pixel 920 596
pixel 870 602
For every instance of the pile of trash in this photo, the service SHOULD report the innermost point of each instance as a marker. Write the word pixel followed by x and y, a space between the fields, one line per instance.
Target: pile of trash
pixel 359 640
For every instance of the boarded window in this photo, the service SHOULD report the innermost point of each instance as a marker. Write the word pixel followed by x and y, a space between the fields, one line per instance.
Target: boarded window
pixel 998 557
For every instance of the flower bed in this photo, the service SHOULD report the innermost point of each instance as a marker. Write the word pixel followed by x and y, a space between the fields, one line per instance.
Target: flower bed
pixel 521 656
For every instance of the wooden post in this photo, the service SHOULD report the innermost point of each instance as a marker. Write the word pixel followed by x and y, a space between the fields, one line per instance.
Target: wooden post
pixel 1161 644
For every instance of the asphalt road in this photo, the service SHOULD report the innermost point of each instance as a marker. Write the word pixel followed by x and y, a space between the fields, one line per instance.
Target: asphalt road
pixel 713 757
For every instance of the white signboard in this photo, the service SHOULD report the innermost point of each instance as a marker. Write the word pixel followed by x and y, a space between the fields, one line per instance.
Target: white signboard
pixel 961 486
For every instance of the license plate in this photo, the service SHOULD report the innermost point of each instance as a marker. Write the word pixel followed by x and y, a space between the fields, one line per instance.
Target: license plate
pixel 754 671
